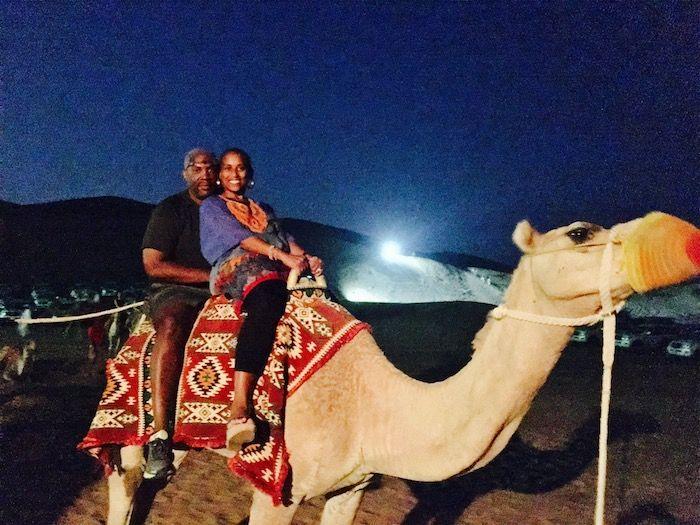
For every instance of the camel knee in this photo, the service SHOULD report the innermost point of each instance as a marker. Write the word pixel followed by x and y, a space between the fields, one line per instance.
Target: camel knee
pixel 264 512
pixel 122 489
pixel 340 509
pixel 131 457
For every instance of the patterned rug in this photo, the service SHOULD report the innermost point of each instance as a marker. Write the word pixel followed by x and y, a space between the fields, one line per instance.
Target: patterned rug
pixel 311 331
pixel 124 414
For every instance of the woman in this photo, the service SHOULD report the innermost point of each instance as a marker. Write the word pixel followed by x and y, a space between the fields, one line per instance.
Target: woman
pixel 250 257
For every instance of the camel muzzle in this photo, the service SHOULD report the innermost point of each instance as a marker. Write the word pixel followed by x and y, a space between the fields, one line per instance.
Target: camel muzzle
pixel 663 250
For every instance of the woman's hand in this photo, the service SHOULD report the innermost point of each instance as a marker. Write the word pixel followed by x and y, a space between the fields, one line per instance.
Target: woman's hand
pixel 293 262
pixel 315 265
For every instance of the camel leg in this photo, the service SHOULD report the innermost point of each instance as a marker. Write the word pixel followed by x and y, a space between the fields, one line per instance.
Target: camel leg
pixel 263 512
pixel 122 487
pixel 340 509
pixel 147 491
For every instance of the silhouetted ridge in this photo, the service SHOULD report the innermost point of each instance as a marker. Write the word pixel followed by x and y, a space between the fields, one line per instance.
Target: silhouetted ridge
pixel 99 238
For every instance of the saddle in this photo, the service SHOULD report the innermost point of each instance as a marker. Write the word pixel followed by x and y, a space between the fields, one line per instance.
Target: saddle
pixel 312 329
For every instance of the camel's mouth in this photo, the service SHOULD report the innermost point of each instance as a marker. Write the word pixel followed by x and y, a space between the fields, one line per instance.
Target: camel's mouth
pixel 663 250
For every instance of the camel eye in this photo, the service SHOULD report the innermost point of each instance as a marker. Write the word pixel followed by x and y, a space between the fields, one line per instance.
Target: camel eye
pixel 580 235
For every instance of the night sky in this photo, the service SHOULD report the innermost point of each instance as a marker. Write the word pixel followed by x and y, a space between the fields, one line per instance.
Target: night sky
pixel 439 125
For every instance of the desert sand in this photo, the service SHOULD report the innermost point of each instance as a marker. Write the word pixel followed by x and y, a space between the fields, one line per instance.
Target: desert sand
pixel 546 475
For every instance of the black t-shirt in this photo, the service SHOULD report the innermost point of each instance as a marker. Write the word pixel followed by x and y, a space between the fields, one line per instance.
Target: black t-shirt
pixel 174 230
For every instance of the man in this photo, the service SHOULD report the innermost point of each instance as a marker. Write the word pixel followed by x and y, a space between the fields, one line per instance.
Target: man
pixel 179 277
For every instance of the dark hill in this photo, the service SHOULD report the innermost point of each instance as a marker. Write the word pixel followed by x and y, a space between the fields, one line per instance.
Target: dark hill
pixel 64 242
pixel 99 239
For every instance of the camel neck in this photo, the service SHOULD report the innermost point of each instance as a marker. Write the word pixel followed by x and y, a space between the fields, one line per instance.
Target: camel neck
pixel 461 423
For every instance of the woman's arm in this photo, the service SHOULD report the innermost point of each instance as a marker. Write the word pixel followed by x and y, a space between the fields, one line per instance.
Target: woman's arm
pixel 290 260
pixel 315 263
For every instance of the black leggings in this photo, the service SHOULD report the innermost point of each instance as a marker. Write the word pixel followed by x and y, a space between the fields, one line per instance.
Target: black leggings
pixel 264 305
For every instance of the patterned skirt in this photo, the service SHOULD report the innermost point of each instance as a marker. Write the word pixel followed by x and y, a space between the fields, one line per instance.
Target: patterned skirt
pixel 239 271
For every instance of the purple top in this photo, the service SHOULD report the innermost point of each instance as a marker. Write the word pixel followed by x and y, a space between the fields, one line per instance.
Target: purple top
pixel 220 231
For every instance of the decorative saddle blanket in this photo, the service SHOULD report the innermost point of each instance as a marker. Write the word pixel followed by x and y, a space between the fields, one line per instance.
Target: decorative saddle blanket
pixel 312 329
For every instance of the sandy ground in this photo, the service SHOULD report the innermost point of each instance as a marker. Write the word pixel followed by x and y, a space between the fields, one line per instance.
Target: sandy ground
pixel 546 475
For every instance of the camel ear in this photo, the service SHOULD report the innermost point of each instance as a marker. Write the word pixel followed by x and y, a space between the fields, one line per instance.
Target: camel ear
pixel 525 236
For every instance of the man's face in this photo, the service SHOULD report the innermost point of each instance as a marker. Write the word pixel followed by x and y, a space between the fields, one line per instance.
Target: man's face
pixel 201 176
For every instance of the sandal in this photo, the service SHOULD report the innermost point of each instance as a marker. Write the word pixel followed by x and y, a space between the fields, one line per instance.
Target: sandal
pixel 239 431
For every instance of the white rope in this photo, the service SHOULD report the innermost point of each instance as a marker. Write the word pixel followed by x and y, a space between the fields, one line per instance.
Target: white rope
pixel 501 311
pixel 608 358
pixel 67 319
pixel 607 315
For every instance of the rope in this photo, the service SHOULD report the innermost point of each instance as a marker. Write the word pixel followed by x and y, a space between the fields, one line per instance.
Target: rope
pixel 54 319
pixel 607 315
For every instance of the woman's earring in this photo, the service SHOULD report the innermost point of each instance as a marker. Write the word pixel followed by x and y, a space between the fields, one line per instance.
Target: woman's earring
pixel 250 184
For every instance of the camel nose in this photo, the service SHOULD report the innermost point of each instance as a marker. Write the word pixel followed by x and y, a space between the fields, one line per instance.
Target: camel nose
pixel 661 251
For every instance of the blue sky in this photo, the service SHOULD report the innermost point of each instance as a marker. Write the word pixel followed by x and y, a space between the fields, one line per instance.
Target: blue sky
pixel 439 124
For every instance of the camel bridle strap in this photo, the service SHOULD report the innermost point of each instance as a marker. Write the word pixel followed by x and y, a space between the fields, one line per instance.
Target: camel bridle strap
pixel 607 315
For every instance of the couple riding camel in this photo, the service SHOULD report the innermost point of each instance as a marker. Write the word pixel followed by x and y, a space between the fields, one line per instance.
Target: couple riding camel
pixel 213 233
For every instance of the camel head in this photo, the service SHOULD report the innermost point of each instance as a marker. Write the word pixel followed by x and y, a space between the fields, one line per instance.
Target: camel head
pixel 565 264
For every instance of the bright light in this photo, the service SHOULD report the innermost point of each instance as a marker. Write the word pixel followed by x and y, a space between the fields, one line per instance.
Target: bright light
pixel 358 294
pixel 391 251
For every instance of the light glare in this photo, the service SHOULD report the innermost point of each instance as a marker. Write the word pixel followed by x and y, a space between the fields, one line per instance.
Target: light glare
pixel 391 251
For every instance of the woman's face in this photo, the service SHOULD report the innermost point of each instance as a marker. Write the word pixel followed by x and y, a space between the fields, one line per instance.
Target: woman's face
pixel 233 174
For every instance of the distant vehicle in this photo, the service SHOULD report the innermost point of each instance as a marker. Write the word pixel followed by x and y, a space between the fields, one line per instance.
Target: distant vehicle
pixel 43 296
pixel 682 347
pixel 109 289
pixel 625 339
pixel 13 308
pixel 83 293
pixel 62 300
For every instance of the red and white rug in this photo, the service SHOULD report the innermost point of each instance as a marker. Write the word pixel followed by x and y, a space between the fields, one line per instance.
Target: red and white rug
pixel 311 331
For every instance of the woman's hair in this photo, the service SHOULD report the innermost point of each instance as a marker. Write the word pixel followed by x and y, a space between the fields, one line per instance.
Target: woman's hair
pixel 244 157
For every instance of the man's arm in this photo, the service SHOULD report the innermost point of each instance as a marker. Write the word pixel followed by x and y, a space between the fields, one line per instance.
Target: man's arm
pixel 158 268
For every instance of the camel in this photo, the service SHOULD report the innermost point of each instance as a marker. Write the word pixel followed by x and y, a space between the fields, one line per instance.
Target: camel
pixel 359 416
pixel 16 363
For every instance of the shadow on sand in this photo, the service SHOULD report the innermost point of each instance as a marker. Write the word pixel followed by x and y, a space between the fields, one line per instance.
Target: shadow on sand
pixel 524 469
pixel 40 470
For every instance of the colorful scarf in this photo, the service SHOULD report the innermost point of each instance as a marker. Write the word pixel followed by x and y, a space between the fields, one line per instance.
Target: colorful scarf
pixel 250 214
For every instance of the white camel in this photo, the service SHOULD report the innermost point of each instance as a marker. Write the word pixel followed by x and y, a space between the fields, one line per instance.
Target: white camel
pixel 359 415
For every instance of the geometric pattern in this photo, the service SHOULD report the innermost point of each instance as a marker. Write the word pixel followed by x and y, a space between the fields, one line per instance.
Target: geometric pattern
pixel 206 383
pixel 311 331
pixel 116 387
pixel 124 414
pixel 307 317
pixel 108 419
pixel 207 378
pixel 216 343
pixel 222 311
pixel 212 413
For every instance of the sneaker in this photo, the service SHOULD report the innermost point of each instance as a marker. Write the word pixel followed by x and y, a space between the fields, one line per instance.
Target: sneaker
pixel 159 456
